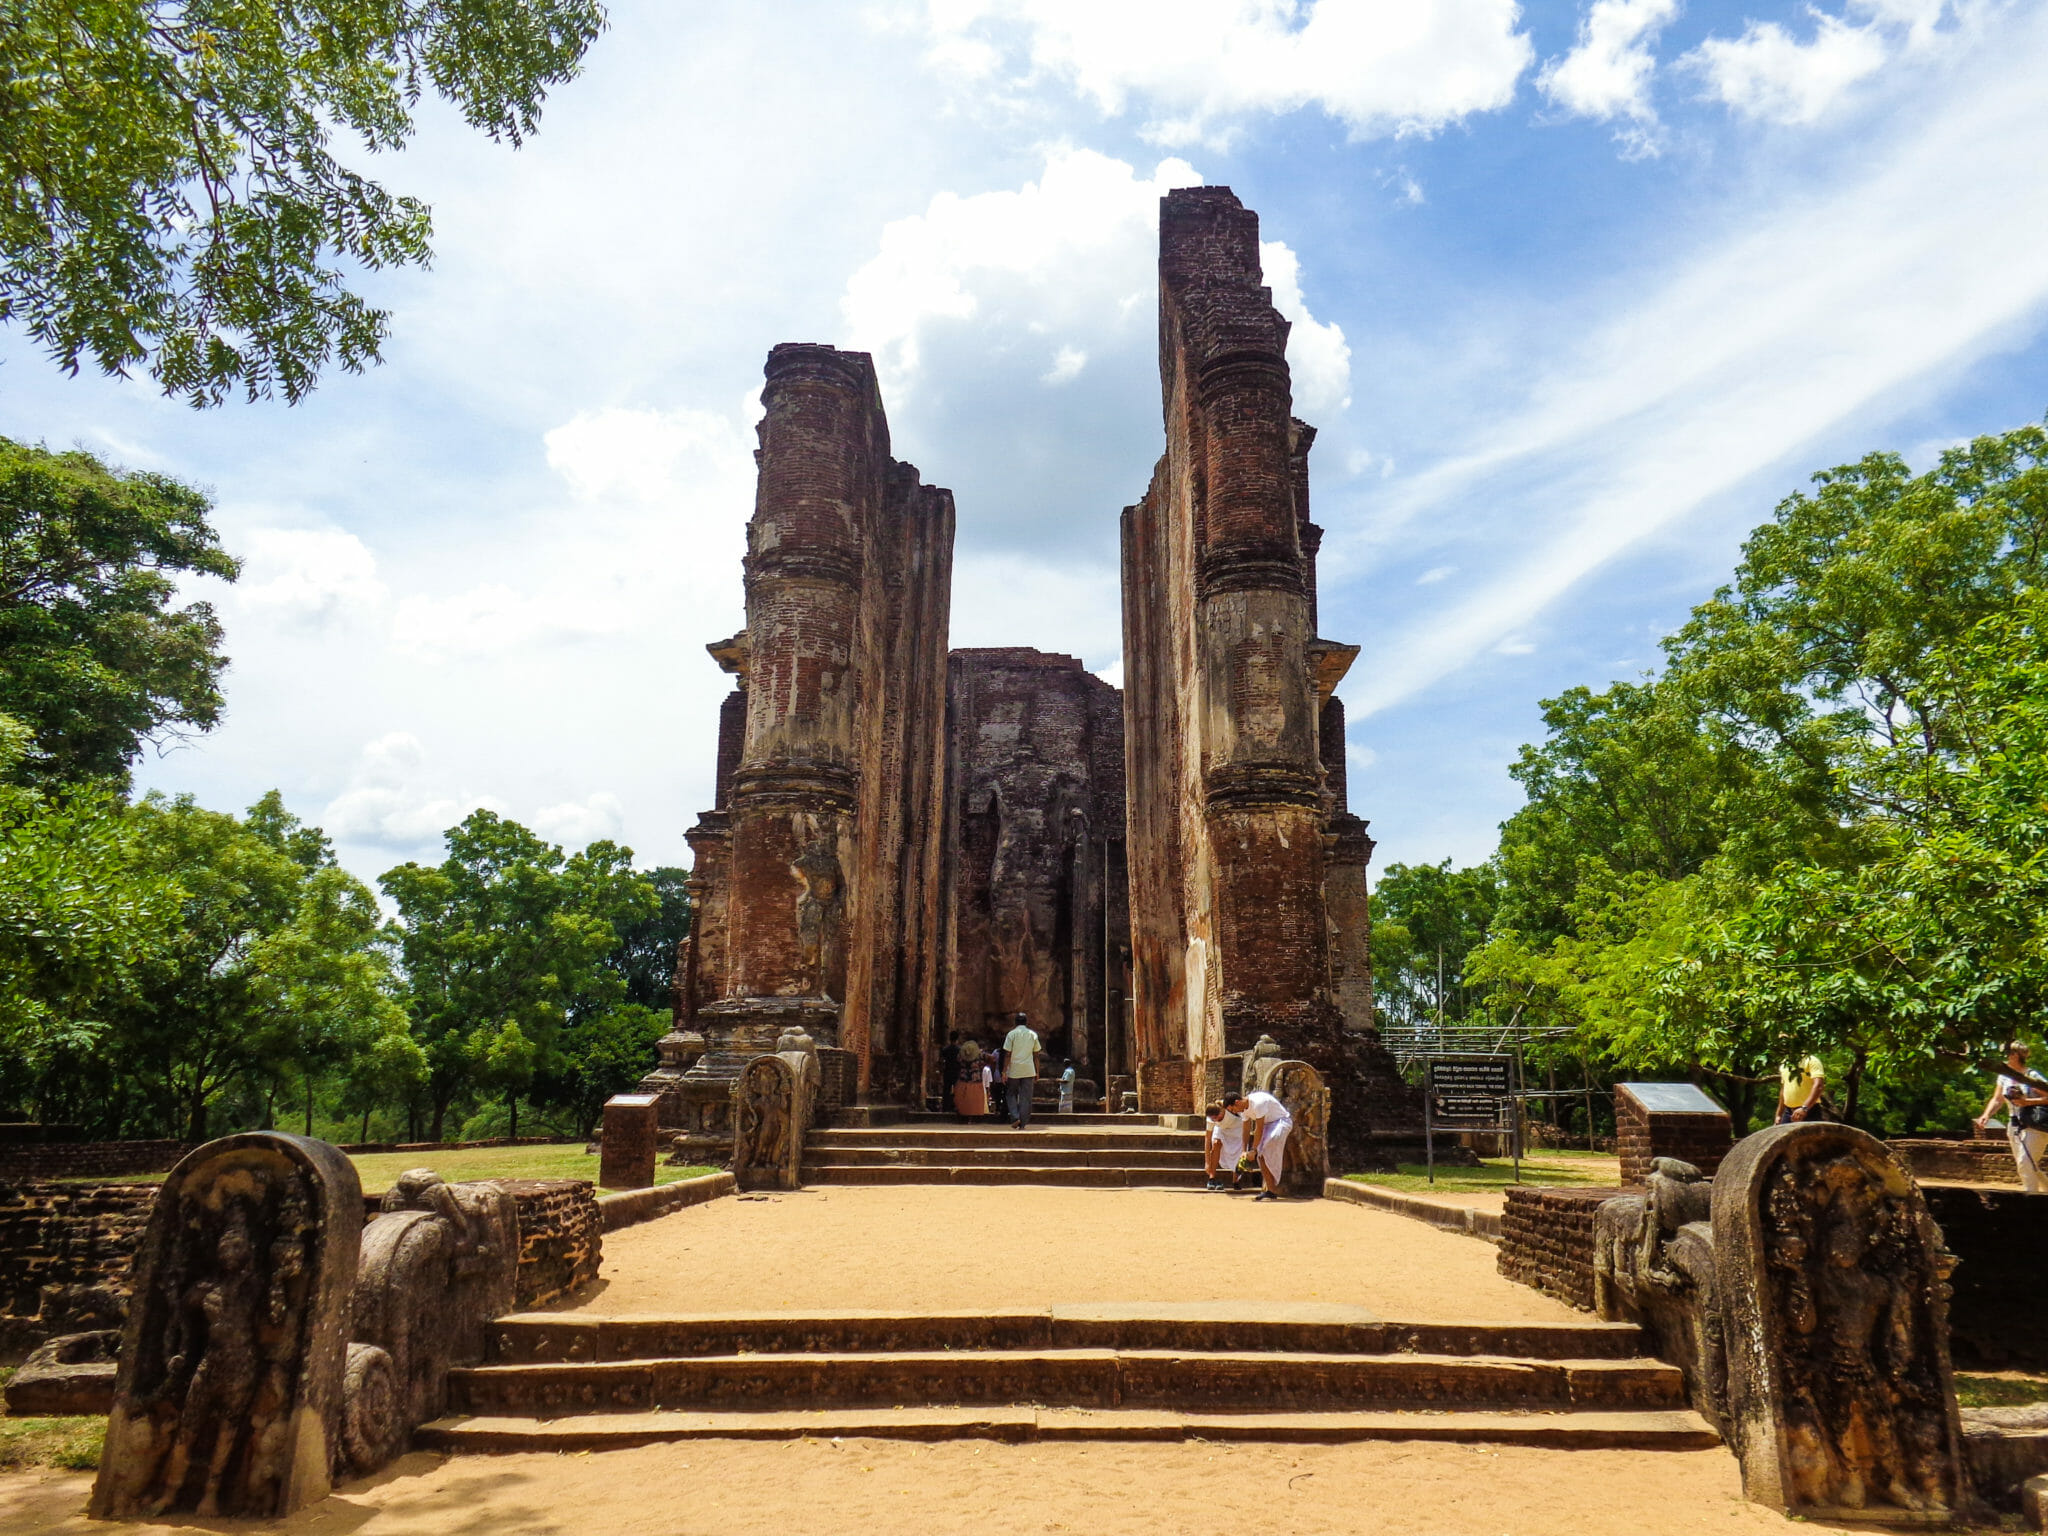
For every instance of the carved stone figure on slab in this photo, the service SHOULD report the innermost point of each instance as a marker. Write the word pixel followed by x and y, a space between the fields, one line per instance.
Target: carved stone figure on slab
pixel 1307 1157
pixel 227 1400
pixel 1653 1264
pixel 768 1113
pixel 1834 1284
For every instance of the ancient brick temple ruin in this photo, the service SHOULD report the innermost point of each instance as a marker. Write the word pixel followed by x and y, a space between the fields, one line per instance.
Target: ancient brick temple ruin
pixel 906 841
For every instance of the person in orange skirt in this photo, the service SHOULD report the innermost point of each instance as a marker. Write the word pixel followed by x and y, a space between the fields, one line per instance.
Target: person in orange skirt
pixel 970 1098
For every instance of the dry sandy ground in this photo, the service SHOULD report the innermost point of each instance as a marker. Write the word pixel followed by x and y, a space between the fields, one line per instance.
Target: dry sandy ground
pixel 946 1248
pixel 863 1487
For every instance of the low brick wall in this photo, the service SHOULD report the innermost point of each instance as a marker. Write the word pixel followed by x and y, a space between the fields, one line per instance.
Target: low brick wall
pixel 561 1237
pixel 628 1207
pixel 1546 1240
pixel 64 1256
pixel 1988 1160
pixel 356 1148
pixel 29 1161
pixel 1995 1318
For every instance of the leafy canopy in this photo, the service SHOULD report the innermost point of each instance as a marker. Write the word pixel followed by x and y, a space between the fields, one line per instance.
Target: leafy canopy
pixel 170 197
pixel 1822 827
pixel 96 654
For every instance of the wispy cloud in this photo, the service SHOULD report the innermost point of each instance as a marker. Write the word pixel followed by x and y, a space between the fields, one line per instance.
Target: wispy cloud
pixel 1729 364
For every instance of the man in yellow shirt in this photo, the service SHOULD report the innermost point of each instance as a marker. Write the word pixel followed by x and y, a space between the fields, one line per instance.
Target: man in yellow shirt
pixel 1799 1090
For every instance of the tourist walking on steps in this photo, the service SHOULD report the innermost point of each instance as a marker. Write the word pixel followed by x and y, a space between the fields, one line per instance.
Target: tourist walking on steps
pixel 1224 1145
pixel 1267 1125
pixel 1020 1068
pixel 1799 1091
pixel 2026 1118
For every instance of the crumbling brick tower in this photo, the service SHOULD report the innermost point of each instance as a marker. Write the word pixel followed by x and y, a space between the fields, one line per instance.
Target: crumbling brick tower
pixel 1243 858
pixel 816 876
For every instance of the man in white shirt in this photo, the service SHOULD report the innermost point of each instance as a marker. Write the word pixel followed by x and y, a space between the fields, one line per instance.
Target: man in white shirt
pixel 1020 1048
pixel 1225 1145
pixel 1267 1125
pixel 2024 1104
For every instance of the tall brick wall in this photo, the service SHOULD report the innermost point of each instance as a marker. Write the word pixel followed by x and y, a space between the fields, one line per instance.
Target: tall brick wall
pixel 816 875
pixel 1546 1241
pixel 64 1256
pixel 1033 846
pixel 1247 870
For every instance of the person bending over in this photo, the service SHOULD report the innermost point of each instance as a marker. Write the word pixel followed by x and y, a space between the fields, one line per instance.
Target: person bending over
pixel 1267 1125
pixel 1225 1144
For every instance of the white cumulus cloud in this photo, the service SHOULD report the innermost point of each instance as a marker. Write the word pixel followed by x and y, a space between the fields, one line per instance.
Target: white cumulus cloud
pixel 1607 75
pixel 1070 252
pixel 1768 73
pixel 576 823
pixel 389 803
pixel 1378 66
pixel 1317 355
pixel 307 577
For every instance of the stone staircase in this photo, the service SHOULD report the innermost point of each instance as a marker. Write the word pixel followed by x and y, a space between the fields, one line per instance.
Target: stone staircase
pixel 1074 1150
pixel 1267 1372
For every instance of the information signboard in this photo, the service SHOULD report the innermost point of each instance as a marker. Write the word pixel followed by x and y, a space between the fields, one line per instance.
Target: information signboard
pixel 1470 1093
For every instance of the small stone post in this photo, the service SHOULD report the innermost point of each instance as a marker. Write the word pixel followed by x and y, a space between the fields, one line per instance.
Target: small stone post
pixel 630 1135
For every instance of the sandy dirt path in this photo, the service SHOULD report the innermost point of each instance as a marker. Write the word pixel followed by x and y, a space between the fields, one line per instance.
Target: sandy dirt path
pixel 944 1248
pixel 862 1487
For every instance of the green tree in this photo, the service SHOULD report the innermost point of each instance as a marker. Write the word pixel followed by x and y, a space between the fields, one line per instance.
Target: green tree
pixel 1426 918
pixel 171 197
pixel 96 653
pixel 645 956
pixel 81 909
pixel 272 968
pixel 498 944
pixel 1820 828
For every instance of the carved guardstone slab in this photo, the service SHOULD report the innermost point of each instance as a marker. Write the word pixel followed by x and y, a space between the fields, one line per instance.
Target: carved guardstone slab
pixel 1834 1288
pixel 229 1393
pixel 631 1130
pixel 1305 1161
pixel 770 1109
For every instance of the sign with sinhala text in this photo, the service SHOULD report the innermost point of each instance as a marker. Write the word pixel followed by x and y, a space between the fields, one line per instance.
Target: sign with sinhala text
pixel 1487 1078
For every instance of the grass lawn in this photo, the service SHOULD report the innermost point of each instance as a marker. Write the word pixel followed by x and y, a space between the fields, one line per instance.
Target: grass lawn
pixel 566 1160
pixel 2007 1389
pixel 1553 1167
pixel 70 1443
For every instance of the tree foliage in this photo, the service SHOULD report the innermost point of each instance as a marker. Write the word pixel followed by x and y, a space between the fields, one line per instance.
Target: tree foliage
pixel 172 199
pixel 1821 828
pixel 502 945
pixel 96 653
pixel 1426 918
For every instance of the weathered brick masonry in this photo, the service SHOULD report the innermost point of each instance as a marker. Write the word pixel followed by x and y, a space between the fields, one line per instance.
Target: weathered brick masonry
pixel 1546 1240
pixel 64 1255
pixel 87 1159
pixel 1033 863
pixel 561 1237
pixel 1247 869
pixel 901 844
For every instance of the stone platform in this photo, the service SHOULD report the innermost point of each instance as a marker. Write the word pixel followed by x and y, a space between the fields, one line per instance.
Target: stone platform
pixel 1288 1372
pixel 1077 1150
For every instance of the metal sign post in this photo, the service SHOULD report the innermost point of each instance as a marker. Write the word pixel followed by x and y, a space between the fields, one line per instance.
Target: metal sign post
pixel 1468 1092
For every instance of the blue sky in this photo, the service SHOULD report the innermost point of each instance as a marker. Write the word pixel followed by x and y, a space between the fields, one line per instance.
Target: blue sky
pixel 1579 293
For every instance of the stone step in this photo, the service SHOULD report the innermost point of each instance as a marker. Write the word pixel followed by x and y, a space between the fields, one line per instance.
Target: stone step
pixel 1067 1177
pixel 1289 1381
pixel 1040 1116
pixel 1314 1327
pixel 997 1156
pixel 1094 1139
pixel 1653 1430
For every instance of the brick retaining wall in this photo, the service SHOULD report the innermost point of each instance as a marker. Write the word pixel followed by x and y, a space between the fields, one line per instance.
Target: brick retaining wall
pixel 1985 1161
pixel 1546 1240
pixel 64 1256
pixel 561 1237
pixel 30 1161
